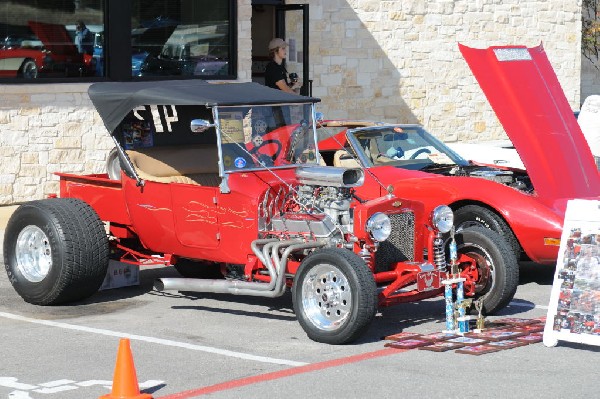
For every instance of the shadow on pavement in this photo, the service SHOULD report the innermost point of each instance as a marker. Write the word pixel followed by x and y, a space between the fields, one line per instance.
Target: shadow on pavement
pixel 530 272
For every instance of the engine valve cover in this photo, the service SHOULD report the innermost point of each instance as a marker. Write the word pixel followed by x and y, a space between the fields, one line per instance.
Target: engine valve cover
pixel 318 225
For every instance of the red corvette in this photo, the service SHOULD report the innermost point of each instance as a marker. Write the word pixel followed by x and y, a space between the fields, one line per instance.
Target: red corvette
pixel 526 207
pixel 53 55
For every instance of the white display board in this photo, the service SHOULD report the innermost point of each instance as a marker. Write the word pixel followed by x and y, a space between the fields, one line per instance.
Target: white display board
pixel 589 121
pixel 574 309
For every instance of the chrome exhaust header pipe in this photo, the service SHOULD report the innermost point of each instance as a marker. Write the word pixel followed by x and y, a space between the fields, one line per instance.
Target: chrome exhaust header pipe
pixel 275 288
pixel 211 286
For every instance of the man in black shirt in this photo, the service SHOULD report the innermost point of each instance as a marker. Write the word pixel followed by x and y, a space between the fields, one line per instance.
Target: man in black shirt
pixel 276 75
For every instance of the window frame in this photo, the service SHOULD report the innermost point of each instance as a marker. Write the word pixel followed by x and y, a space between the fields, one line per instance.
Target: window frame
pixel 117 63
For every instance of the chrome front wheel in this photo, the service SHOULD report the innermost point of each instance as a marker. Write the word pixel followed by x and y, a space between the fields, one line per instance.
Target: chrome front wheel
pixel 326 297
pixel 334 295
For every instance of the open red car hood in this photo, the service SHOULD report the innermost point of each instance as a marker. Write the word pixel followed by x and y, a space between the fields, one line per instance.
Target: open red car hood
pixel 55 37
pixel 524 92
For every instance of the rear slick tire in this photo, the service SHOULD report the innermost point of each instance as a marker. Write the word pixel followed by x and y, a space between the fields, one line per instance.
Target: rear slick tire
pixel 334 296
pixel 55 251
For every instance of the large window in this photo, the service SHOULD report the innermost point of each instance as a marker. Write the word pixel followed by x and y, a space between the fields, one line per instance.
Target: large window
pixel 180 38
pixel 66 40
pixel 49 39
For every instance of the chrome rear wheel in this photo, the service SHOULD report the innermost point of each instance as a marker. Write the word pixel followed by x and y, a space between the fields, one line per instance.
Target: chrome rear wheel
pixel 33 253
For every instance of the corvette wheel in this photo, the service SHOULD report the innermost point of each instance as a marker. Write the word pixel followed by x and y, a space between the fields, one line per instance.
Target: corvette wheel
pixel 478 216
pixel 489 266
pixel 55 251
pixel 334 296
pixel 28 69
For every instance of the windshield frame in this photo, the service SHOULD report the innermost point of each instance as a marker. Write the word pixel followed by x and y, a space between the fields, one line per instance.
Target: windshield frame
pixel 436 143
pixel 313 142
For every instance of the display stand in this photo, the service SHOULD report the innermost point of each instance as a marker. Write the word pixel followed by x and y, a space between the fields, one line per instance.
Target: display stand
pixel 574 309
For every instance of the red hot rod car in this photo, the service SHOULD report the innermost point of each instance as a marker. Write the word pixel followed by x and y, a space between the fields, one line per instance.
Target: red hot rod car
pixel 526 207
pixel 225 180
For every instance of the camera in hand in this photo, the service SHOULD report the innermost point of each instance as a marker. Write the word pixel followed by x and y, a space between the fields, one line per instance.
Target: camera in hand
pixel 293 77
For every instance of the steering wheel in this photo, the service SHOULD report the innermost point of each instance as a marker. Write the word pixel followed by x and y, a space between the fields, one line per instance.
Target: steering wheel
pixel 382 155
pixel 419 152
pixel 268 160
pixel 295 138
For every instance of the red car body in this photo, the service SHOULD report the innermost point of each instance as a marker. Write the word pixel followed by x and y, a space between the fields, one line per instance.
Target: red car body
pixel 524 91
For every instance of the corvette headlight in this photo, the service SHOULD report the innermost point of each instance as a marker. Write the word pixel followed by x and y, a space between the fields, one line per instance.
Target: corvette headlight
pixel 442 218
pixel 379 226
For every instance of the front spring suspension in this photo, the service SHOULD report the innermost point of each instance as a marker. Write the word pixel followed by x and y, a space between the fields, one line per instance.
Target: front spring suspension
pixel 366 256
pixel 439 256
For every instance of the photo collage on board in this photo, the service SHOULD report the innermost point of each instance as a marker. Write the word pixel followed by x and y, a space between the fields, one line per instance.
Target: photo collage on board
pixel 578 309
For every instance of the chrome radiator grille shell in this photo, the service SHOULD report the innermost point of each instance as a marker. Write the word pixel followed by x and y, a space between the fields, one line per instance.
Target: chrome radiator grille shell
pixel 400 246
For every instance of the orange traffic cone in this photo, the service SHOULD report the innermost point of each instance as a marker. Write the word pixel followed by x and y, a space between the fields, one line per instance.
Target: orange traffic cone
pixel 125 383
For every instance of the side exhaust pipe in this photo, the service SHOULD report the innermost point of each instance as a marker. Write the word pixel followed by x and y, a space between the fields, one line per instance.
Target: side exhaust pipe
pixel 268 254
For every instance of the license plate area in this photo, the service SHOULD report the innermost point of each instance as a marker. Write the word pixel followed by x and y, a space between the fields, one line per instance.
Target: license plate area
pixel 430 280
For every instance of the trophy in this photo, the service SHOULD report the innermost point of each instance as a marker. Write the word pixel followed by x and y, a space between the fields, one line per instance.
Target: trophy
pixel 450 311
pixel 453 254
pixel 463 319
pixel 456 319
pixel 480 325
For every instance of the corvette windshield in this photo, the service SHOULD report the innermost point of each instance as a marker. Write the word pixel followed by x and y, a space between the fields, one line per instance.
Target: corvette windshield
pixel 405 147
pixel 255 137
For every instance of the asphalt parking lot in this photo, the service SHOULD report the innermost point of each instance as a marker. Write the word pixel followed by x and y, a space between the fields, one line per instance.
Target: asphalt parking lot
pixel 188 345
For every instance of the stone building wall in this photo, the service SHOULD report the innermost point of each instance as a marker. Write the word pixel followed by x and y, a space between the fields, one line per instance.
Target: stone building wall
pixel 45 129
pixel 398 61
pixel 394 61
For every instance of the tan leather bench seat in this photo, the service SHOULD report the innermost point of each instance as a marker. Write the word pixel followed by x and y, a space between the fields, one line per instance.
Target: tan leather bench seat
pixel 194 164
pixel 344 159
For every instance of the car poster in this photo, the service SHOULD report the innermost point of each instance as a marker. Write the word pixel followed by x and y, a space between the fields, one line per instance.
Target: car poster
pixel 137 134
pixel 574 309
pixel 231 125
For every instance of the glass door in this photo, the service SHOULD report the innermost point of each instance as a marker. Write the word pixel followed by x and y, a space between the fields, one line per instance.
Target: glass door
pixel 291 24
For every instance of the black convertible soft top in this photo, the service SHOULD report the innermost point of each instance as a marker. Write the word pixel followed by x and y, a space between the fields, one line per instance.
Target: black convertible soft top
pixel 114 100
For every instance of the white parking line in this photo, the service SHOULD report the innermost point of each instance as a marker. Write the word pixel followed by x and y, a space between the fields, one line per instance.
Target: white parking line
pixel 166 342
pixel 527 305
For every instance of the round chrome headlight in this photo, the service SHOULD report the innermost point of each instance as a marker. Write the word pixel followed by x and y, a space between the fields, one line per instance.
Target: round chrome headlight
pixel 442 218
pixel 379 226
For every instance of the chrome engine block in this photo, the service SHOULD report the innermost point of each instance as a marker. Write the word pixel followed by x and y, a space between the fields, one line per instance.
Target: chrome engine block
pixel 321 201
